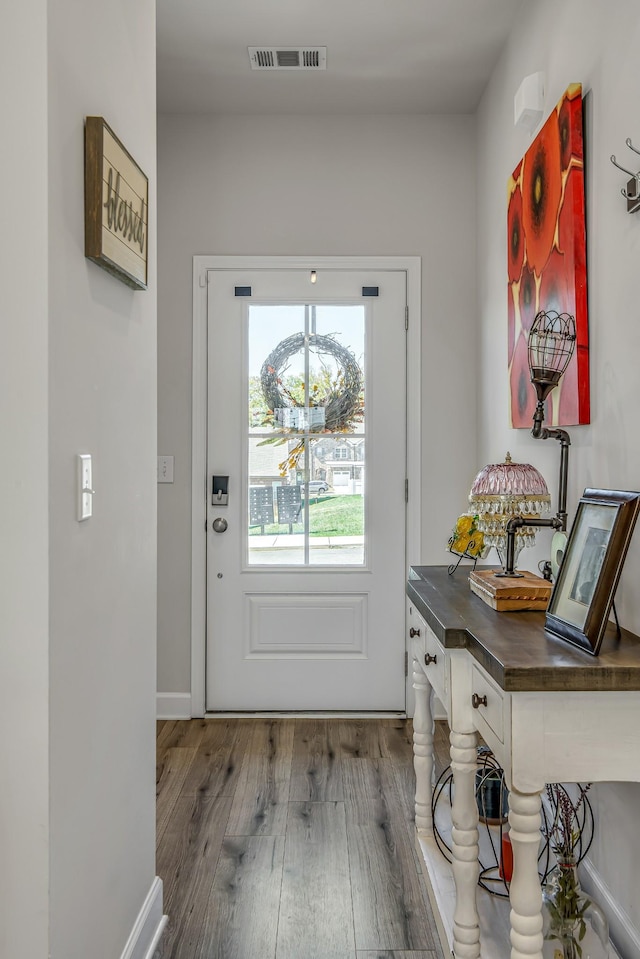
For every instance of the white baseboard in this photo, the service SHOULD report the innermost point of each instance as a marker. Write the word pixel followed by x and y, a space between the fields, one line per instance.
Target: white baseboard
pixel 173 706
pixel 621 929
pixel 148 927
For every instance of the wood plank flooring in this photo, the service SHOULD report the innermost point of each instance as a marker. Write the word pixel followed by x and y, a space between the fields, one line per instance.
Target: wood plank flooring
pixel 290 839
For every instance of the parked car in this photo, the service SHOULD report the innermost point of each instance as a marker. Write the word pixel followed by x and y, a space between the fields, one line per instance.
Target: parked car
pixel 317 486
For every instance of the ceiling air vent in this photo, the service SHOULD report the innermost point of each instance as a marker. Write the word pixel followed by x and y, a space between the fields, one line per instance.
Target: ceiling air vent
pixel 288 58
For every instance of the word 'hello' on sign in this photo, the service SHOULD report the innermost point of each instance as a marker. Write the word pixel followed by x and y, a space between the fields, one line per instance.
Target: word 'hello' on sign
pixel 116 206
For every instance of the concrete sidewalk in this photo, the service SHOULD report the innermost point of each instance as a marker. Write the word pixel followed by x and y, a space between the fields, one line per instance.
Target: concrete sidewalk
pixel 285 550
pixel 296 541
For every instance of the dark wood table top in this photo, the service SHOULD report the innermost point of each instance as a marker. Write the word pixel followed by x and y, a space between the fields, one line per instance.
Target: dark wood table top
pixel 513 647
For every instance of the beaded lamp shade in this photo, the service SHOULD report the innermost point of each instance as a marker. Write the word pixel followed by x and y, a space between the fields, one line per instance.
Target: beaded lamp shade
pixel 503 490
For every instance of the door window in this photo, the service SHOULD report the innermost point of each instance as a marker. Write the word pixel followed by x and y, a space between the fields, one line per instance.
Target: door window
pixel 306 464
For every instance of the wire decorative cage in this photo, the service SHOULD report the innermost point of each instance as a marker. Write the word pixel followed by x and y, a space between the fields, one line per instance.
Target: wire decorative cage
pixel 492 801
pixel 551 342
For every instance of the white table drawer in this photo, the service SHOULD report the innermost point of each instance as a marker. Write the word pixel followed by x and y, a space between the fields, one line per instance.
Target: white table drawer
pixel 417 627
pixel 429 652
pixel 434 664
pixel 488 702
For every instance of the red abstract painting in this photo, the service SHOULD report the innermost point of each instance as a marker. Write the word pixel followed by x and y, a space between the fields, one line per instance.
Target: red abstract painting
pixel 546 259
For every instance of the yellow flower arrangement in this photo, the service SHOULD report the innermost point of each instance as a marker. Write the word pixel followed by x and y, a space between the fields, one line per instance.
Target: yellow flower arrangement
pixel 466 539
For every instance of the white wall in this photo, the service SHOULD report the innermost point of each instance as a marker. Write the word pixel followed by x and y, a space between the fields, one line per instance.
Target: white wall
pixel 24 700
pixel 316 185
pixel 597 44
pixel 102 400
pixel 77 373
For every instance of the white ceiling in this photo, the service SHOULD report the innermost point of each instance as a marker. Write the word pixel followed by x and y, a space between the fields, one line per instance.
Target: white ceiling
pixel 383 56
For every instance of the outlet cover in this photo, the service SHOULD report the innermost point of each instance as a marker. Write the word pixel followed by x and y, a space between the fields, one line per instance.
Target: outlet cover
pixel 165 469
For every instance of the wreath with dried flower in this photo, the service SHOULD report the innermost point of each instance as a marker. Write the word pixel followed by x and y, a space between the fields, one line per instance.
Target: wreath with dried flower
pixel 339 408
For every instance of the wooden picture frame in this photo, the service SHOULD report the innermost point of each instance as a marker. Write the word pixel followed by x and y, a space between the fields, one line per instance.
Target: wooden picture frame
pixel 585 587
pixel 116 206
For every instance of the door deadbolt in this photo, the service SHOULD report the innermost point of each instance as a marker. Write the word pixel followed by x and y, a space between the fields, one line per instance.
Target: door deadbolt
pixel 219 524
pixel 219 490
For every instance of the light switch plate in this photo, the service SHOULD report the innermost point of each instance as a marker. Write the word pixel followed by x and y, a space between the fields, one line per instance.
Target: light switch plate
pixel 85 487
pixel 165 469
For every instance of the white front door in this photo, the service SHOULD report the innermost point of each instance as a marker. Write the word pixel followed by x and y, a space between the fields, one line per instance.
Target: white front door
pixel 306 490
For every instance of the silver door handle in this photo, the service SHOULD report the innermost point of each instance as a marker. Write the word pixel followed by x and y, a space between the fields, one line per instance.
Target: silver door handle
pixel 219 524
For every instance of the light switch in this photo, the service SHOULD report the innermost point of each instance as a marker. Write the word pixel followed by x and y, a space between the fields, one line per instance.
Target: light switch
pixel 165 469
pixel 85 487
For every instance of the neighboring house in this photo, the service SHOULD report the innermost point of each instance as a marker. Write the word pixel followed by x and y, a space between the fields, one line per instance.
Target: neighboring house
pixel 338 460
pixel 264 463
pixel 341 462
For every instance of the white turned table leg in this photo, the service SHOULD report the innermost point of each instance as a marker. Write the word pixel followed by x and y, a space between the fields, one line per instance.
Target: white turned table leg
pixel 422 749
pixel 525 893
pixel 464 834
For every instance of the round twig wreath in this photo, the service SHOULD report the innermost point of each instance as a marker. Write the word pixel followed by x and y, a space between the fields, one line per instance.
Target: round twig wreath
pixel 343 401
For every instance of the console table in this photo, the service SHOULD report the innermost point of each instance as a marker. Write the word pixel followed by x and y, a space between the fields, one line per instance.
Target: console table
pixel 549 711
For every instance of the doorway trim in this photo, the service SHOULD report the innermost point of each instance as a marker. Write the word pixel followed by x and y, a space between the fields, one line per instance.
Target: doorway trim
pixel 412 266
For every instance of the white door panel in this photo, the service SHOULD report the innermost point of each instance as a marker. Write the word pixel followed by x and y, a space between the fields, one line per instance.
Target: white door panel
pixel 305 587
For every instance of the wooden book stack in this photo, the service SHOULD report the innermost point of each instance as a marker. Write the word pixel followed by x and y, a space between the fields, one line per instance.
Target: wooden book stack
pixel 528 592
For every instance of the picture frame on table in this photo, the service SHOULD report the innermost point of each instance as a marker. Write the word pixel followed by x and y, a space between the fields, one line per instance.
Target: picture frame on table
pixel 585 587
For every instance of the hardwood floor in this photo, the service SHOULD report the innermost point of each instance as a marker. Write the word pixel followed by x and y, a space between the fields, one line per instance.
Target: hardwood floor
pixel 290 839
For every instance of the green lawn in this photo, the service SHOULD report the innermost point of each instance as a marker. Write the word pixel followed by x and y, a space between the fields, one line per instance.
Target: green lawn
pixel 328 516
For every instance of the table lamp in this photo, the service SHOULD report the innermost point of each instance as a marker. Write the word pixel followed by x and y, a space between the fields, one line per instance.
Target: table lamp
pixel 502 492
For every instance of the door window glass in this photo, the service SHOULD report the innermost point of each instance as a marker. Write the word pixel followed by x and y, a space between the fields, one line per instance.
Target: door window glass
pixel 306 435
